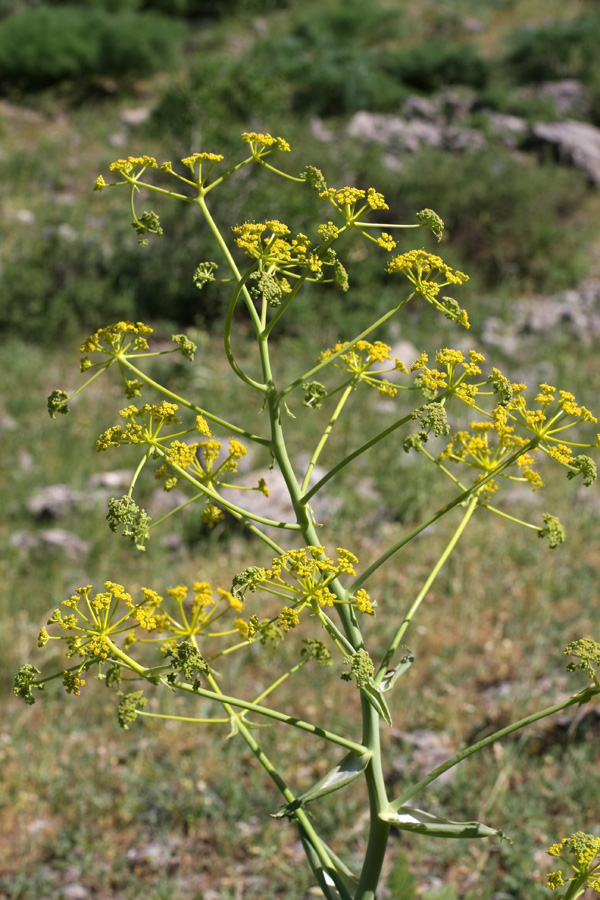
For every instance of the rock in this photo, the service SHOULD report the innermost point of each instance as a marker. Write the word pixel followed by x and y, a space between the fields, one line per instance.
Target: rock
pixel 73 546
pixel 509 128
pixel 320 131
pixel 26 541
pixel 74 892
pixel 118 479
pixel 568 95
pixel 25 461
pixel 117 139
pixel 475 26
pixel 456 103
pixel 25 216
pixel 135 116
pixel 57 538
pixel 277 505
pixel 425 749
pixel 463 139
pixel 576 312
pixel 53 501
pixel 575 143
pixel 415 107
pixel 162 502
pixel 394 131
pixel 426 125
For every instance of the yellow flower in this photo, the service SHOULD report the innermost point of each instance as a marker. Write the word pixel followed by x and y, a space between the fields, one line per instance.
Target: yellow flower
pixel 348 196
pixel 376 200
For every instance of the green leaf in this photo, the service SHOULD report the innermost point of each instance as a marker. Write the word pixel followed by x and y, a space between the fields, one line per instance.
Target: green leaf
pixel 392 675
pixel 373 695
pixel 337 881
pixel 408 819
pixel 346 771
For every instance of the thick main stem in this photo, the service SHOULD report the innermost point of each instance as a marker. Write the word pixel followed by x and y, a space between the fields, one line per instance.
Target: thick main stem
pixel 378 801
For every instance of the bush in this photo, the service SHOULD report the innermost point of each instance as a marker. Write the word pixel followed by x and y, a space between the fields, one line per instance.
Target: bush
pixel 505 215
pixel 45 45
pixel 436 63
pixel 183 8
pixel 560 50
pixel 56 286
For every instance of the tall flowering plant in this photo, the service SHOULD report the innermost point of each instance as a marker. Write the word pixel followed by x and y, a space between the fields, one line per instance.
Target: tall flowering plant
pixel 177 638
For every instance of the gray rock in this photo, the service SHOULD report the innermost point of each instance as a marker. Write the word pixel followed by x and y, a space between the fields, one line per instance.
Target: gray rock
pixel 118 479
pixel 509 128
pixel 53 501
pixel 135 116
pixel 26 541
pixel 568 95
pixel 50 539
pixel 415 107
pixel 320 131
pixel 74 891
pixel 575 312
pixel 574 143
pixel 58 539
pixel 463 139
pixel 475 26
pixel 394 131
pixel 456 103
pixel 25 216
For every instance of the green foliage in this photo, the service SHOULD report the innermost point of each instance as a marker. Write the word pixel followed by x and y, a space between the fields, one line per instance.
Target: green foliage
pixel 436 64
pixel 564 49
pixel 506 215
pixel 44 46
pixel 52 284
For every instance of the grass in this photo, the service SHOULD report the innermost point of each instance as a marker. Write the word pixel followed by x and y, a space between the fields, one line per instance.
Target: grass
pixel 488 648
pixel 158 810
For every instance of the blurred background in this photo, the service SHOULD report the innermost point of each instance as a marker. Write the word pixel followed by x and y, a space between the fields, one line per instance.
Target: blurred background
pixel 487 111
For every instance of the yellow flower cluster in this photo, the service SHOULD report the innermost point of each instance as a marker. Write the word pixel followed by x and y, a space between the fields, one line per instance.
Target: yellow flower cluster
pixel 153 416
pixel 274 250
pixel 112 338
pixel 544 426
pixel 303 576
pixel 452 382
pixel 429 273
pixel 125 166
pixel 359 359
pixel 100 625
pixel 190 161
pixel 258 141
pixel 586 850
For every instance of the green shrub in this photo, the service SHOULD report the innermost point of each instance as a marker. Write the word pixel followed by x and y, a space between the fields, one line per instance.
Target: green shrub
pixel 560 50
pixel 184 8
pixel 505 215
pixel 436 63
pixel 53 286
pixel 44 46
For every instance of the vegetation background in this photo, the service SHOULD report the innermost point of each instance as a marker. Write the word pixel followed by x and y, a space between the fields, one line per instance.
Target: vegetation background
pixel 87 810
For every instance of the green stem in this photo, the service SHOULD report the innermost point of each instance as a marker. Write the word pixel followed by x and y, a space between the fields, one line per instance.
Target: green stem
pixel 255 438
pixel 582 697
pixel 325 436
pixel 378 829
pixel 441 512
pixel 268 713
pixel 230 260
pixel 395 643
pixel 230 507
pixel 351 456
pixel 345 349
pixel 227 333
